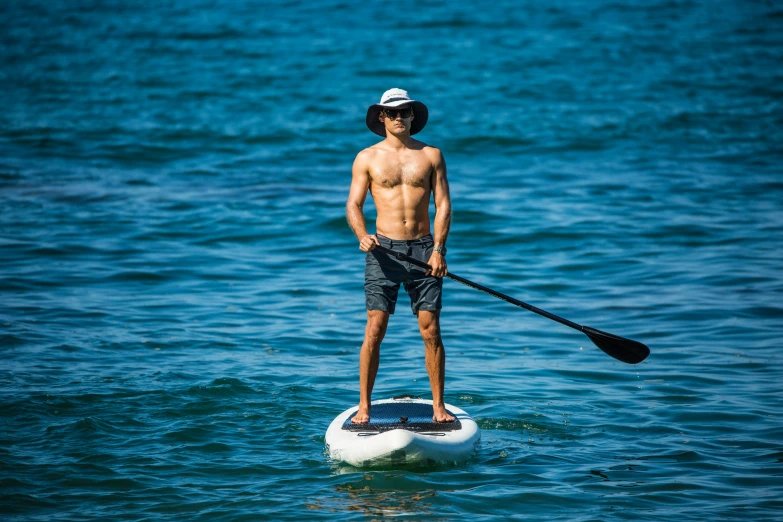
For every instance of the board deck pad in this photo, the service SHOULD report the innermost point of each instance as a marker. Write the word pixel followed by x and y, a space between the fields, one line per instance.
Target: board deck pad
pixel 411 416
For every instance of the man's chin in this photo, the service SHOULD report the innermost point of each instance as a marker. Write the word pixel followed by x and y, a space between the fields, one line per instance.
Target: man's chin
pixel 398 131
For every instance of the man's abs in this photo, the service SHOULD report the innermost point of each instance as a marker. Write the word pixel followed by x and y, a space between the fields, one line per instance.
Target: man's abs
pixel 402 223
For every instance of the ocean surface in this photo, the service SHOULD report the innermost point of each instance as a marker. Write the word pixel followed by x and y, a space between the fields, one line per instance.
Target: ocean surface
pixel 181 299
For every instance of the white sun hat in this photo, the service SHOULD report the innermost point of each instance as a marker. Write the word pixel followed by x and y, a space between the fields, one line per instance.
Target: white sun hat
pixel 395 98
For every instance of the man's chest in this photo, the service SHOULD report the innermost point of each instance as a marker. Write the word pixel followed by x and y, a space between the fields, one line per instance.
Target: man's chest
pixel 413 172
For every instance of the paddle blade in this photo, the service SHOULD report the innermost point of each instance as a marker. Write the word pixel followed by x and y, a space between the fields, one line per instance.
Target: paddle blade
pixel 620 348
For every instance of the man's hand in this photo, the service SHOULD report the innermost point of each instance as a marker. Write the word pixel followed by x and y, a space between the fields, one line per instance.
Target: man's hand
pixel 438 264
pixel 368 242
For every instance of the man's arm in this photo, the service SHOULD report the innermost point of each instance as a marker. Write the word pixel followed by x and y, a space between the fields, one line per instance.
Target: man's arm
pixel 354 212
pixel 440 193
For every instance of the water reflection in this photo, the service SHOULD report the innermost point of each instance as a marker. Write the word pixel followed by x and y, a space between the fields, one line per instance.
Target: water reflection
pixel 381 494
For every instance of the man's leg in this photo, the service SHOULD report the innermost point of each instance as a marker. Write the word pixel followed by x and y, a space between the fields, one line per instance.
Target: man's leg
pixel 435 360
pixel 377 321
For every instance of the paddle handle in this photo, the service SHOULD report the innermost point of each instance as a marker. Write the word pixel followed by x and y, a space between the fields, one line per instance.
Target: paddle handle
pixel 494 293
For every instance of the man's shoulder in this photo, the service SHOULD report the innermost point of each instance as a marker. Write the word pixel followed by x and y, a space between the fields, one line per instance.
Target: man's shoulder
pixel 429 149
pixel 433 153
pixel 420 145
pixel 365 157
pixel 369 152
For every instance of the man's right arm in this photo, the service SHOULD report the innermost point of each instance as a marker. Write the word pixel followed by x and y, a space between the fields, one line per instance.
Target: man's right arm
pixel 354 212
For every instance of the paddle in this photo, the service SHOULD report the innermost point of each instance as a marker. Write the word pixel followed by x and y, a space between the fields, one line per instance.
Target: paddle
pixel 622 349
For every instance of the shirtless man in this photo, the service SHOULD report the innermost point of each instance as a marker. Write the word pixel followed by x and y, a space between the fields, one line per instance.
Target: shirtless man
pixel 401 173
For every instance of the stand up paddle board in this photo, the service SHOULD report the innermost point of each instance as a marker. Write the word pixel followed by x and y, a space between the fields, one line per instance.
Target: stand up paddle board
pixel 401 431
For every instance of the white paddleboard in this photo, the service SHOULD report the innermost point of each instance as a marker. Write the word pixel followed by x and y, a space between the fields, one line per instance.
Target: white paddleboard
pixel 401 431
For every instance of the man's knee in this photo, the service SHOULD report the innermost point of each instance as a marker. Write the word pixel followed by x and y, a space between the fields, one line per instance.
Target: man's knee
pixel 377 320
pixel 429 326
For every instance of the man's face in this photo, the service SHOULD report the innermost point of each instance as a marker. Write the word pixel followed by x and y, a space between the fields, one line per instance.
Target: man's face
pixel 397 120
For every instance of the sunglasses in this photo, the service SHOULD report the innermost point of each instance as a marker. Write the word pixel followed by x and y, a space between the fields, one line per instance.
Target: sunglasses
pixel 392 113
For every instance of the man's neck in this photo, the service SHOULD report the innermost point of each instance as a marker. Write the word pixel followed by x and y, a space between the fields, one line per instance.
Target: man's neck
pixel 398 142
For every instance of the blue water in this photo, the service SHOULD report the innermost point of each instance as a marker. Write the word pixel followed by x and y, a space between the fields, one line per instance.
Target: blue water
pixel 182 302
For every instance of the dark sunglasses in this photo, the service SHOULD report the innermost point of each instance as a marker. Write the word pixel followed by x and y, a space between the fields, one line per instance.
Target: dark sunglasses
pixel 392 113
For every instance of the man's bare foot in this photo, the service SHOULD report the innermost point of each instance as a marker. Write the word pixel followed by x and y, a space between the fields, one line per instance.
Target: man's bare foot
pixel 441 415
pixel 362 416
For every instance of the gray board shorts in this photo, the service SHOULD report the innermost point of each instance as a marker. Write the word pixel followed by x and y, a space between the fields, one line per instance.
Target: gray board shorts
pixel 383 275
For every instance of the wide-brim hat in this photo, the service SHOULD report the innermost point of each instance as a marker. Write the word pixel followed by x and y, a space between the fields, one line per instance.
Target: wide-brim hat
pixel 395 98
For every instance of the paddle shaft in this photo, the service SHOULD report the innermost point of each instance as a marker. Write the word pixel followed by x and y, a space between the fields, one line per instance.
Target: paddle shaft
pixel 499 295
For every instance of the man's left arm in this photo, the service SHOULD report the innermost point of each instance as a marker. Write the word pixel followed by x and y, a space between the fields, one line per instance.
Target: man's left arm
pixel 440 193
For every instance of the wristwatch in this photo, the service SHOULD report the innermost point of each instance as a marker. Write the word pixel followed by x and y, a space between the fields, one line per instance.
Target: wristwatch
pixel 440 249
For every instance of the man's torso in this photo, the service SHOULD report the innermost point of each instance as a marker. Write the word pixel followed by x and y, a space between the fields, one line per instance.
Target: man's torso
pixel 400 184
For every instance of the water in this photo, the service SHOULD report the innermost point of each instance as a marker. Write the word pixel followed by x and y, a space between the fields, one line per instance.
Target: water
pixel 182 302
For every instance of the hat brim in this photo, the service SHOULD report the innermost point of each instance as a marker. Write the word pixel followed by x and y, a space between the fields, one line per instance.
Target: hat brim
pixel 420 116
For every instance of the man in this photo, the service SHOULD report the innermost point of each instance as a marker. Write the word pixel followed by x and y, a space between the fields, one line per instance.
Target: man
pixel 401 173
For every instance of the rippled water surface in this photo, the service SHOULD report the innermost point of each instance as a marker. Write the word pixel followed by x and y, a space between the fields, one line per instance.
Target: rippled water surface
pixel 182 302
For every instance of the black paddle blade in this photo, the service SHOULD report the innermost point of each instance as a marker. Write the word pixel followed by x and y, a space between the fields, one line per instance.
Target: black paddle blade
pixel 620 348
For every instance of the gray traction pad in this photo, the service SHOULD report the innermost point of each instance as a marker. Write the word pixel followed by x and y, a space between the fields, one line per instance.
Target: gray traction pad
pixel 411 416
